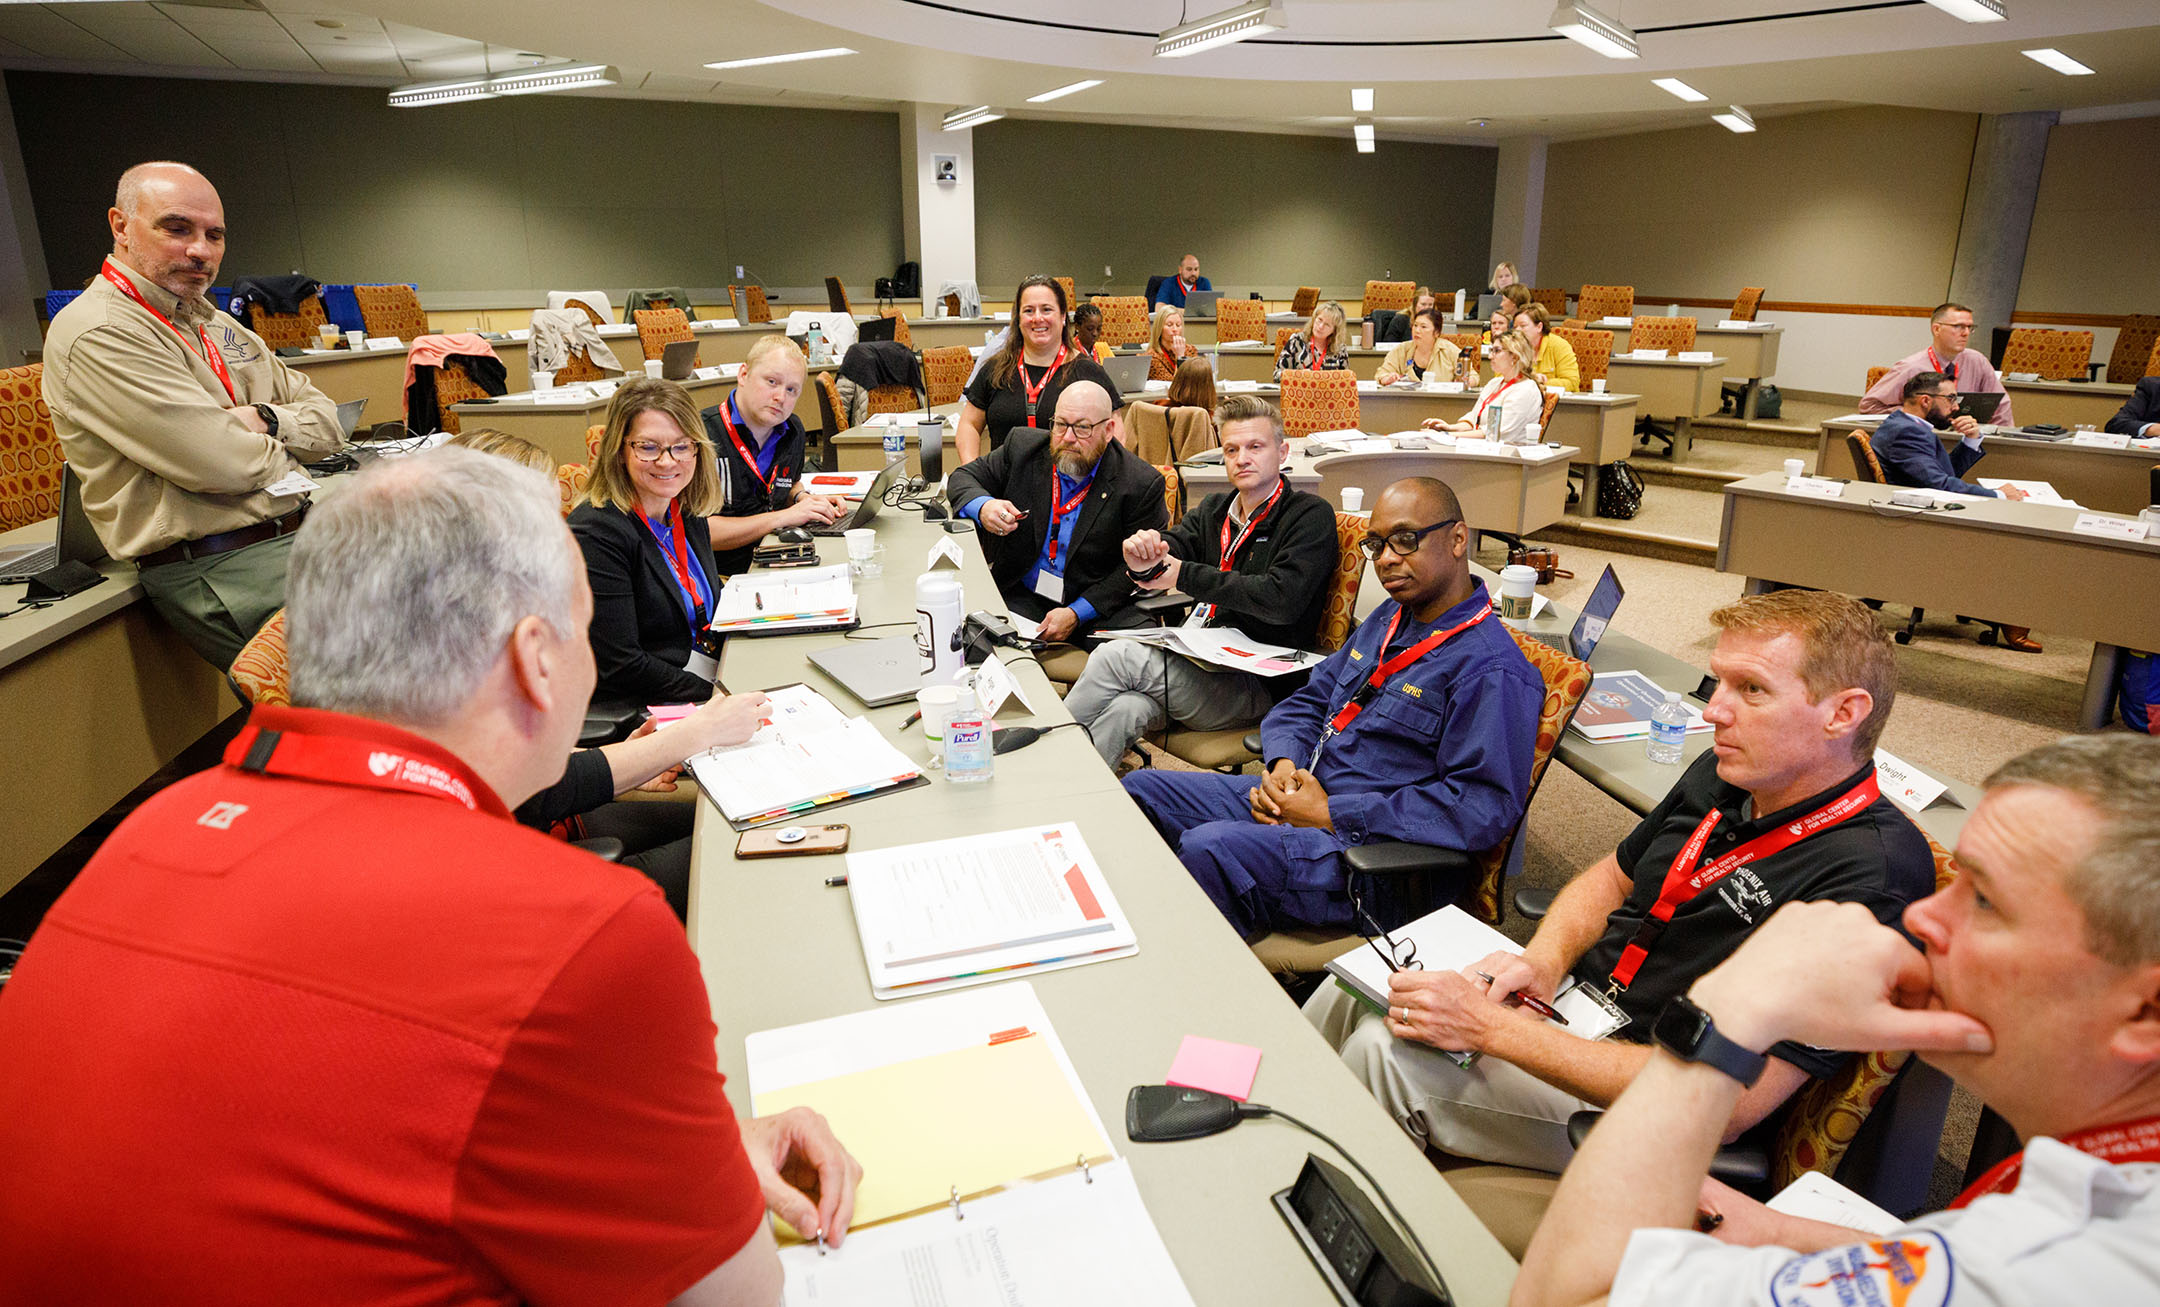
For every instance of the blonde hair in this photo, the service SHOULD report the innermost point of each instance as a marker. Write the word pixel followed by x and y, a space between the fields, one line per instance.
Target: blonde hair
pixel 611 485
pixel 1162 318
pixel 1338 334
pixel 1509 269
pixel 775 343
pixel 1518 347
pixel 1842 648
pixel 504 445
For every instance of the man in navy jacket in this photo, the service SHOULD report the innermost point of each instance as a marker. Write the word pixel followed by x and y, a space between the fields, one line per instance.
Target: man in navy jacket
pixel 2140 414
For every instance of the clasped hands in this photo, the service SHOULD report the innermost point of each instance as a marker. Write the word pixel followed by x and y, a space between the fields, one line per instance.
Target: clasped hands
pixel 1145 549
pixel 1289 795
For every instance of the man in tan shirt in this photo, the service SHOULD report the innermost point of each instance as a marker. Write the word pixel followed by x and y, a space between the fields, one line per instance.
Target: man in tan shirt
pixel 178 420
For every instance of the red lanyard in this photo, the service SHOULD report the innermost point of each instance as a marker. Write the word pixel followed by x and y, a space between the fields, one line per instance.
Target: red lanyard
pixel 1168 360
pixel 679 555
pixel 1486 401
pixel 1349 711
pixel 208 352
pixel 1060 507
pixel 1231 548
pixel 1947 369
pixel 2133 1141
pixel 749 457
pixel 1683 881
pixel 1034 389
pixel 344 761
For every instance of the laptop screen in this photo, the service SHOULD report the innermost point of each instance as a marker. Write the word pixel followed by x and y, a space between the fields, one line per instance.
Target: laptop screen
pixel 1596 615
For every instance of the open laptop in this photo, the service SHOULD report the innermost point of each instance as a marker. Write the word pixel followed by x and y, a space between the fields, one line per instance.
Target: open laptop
pixel 74 539
pixel 872 500
pixel 1200 304
pixel 1486 304
pixel 879 328
pixel 1128 372
pixel 1979 405
pixel 678 360
pixel 1596 615
pixel 878 672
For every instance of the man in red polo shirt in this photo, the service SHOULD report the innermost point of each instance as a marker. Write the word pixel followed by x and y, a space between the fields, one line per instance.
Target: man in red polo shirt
pixel 324 1025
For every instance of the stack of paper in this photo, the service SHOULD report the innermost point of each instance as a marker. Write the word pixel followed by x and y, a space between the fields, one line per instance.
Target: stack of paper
pixel 958 912
pixel 818 598
pixel 1816 1197
pixel 806 756
pixel 1452 940
pixel 1223 646
pixel 1619 705
pixel 2036 492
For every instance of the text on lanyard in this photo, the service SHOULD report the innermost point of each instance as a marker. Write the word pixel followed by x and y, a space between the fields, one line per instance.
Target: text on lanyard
pixel 344 761
pixel 750 458
pixel 1060 507
pixel 2132 1141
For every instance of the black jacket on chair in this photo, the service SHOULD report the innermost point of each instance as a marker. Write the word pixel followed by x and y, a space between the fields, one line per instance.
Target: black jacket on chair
pixel 640 630
pixel 1127 496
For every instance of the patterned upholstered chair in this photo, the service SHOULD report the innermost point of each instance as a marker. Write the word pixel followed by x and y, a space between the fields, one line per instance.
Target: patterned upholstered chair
pixel 298 330
pixel 1319 401
pixel 945 372
pixel 1669 334
pixel 1554 298
pixel 900 333
pixel 2132 358
pixel 578 368
pixel 1605 302
pixel 1173 491
pixel 1305 301
pixel 1572 324
pixel 1282 338
pixel 753 307
pixel 828 392
pixel 261 670
pixel 1864 459
pixel 593 435
pixel 1874 374
pixel 598 318
pixel 659 328
pixel 30 458
pixel 892 399
pixel 571 480
pixel 1552 401
pixel 836 296
pixel 1463 340
pixel 952 304
pixel 453 387
pixel 1593 351
pixel 391 311
pixel 1240 320
pixel 1066 284
pixel 1745 304
pixel 1394 295
pixel 2055 355
pixel 1124 319
pixel 1293 953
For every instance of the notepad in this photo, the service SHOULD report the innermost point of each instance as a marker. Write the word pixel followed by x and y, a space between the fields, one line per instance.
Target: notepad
pixel 807 755
pixel 818 597
pixel 1216 1066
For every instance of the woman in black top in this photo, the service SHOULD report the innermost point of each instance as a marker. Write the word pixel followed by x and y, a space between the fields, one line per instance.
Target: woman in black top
pixel 1020 384
pixel 648 550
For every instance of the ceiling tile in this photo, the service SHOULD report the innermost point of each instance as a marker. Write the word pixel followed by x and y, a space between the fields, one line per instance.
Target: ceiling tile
pixel 45 32
pixel 268 57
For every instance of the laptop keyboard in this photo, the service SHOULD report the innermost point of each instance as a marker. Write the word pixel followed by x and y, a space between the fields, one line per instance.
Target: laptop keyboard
pixel 28 565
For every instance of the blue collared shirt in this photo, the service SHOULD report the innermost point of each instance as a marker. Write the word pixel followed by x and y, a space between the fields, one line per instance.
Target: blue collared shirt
pixel 1061 532
pixel 1173 292
pixel 664 537
pixel 766 452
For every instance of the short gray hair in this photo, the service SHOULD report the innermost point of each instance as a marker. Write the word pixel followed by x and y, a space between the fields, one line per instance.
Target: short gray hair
pixel 2117 887
pixel 405 585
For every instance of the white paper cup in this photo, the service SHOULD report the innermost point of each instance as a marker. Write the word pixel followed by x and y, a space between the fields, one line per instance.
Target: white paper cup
pixel 1597 386
pixel 543 381
pixel 653 366
pixel 861 544
pixel 1518 590
pixel 356 340
pixel 1795 468
pixel 1353 499
pixel 937 703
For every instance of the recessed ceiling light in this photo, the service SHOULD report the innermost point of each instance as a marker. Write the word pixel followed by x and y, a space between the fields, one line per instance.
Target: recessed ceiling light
pixel 1237 23
pixel 1973 11
pixel 1063 91
pixel 2059 61
pixel 1734 119
pixel 1585 26
pixel 1361 99
pixel 332 23
pixel 1674 86
pixel 1363 130
pixel 795 57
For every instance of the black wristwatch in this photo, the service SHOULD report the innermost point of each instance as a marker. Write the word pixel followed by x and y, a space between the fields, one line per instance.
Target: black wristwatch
pixel 1688 1033
pixel 1161 566
pixel 269 417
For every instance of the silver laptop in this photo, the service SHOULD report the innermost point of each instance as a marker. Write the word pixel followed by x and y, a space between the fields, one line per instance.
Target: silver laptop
pixel 348 416
pixel 1200 304
pixel 872 500
pixel 678 360
pixel 1128 372
pixel 74 539
pixel 1486 304
pixel 878 672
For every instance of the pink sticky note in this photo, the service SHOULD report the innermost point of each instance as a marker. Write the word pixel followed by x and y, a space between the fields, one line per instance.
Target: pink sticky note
pixel 1211 1064
pixel 667 714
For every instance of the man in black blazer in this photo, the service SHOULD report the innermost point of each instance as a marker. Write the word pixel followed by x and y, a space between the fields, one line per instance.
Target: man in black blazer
pixel 2140 415
pixel 1056 507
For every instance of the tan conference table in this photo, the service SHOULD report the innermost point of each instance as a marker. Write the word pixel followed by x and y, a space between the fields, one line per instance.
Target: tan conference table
pixel 96 694
pixel 1671 389
pixel 2112 480
pixel 2067 403
pixel 778 947
pixel 557 419
pixel 2019 563
pixel 1750 352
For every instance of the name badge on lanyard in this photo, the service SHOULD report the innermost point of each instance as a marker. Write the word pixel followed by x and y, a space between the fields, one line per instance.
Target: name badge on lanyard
pixel 1031 391
pixel 1050 585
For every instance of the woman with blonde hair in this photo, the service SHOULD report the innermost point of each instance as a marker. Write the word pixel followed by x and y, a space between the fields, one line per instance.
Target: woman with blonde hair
pixel 1323 345
pixel 1510 402
pixel 1504 276
pixel 648 548
pixel 1167 347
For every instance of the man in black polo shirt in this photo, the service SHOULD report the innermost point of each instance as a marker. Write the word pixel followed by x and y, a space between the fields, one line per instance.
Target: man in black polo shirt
pixel 761 455
pixel 1258 558
pixel 1783 809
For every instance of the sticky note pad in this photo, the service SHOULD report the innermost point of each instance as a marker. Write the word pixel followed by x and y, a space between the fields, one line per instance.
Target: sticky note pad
pixel 1211 1064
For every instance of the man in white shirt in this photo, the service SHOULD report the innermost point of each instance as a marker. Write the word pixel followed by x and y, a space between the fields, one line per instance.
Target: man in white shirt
pixel 1950 353
pixel 2039 990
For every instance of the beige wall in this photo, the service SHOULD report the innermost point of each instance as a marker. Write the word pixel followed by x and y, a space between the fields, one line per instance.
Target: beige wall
pixel 529 192
pixel 1855 206
pixel 1266 213
pixel 2095 243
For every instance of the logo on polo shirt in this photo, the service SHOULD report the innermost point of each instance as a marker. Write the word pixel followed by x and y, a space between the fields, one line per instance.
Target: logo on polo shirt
pixel 1743 888
pixel 221 815
pixel 382 764
pixel 1916 1271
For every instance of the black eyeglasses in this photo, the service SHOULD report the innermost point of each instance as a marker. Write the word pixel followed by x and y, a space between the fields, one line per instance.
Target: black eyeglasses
pixel 1404 542
pixel 1400 955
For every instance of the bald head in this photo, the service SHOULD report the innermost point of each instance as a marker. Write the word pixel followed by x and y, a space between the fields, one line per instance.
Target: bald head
pixel 168 224
pixel 1428 498
pixel 1086 423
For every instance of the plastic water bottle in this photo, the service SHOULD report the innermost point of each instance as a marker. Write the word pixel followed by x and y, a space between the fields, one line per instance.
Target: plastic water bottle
pixel 967 741
pixel 1668 731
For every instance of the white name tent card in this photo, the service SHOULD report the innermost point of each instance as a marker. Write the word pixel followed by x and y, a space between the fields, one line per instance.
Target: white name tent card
pixel 2101 440
pixel 1906 784
pixel 2100 524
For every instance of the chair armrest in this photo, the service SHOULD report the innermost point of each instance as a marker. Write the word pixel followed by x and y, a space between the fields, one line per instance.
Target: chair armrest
pixel 1389 858
pixel 1532 902
pixel 1252 743
pixel 1735 1164
pixel 605 723
pixel 607 848
pixel 1164 603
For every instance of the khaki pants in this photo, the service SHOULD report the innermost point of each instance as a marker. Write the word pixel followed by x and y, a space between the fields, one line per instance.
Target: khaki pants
pixel 218 603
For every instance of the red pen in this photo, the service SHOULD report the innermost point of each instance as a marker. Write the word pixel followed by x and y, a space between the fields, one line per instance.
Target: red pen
pixel 1537 1005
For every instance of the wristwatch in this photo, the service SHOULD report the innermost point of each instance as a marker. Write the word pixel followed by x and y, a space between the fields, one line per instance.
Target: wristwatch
pixel 1688 1033
pixel 269 417
pixel 1161 566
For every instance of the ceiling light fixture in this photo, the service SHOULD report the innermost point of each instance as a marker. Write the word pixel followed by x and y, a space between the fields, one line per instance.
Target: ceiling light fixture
pixel 1237 23
pixel 427 93
pixel 535 82
pixel 796 57
pixel 1973 11
pixel 960 119
pixel 1361 99
pixel 1364 133
pixel 2058 61
pixel 1674 86
pixel 1063 91
pixel 1585 26
pixel 1734 119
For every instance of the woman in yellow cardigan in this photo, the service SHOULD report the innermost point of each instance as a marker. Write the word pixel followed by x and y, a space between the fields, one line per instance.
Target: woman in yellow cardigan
pixel 1556 364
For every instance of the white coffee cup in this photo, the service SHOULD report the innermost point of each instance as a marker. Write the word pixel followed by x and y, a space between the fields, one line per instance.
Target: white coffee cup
pixel 356 340
pixel 1795 468
pixel 1597 386
pixel 543 381
pixel 653 366
pixel 937 703
pixel 1518 590
pixel 861 544
pixel 1353 499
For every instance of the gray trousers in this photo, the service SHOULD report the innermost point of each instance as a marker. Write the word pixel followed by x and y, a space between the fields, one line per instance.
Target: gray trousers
pixel 1491 1111
pixel 1120 696
pixel 217 604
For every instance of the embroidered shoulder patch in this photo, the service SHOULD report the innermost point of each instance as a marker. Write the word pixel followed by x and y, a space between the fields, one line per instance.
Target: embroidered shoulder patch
pixel 1917 1271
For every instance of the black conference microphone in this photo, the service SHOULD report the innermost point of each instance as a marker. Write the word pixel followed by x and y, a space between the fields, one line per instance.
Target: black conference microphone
pixel 1157 1114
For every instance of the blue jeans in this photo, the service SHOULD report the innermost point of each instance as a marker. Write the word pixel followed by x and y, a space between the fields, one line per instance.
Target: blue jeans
pixel 1263 878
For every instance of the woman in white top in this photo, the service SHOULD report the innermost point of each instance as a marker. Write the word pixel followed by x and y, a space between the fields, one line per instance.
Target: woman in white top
pixel 1512 391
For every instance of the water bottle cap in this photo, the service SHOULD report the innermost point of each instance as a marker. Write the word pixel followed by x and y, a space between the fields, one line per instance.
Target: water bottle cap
pixel 1672 696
